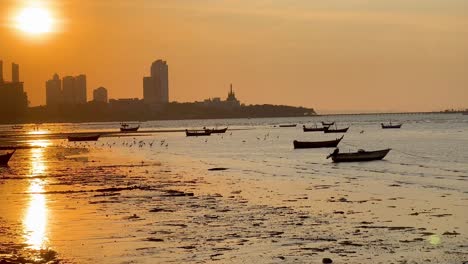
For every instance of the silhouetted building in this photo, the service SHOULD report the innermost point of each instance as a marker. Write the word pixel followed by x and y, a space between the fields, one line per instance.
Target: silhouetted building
pixel 54 95
pixel 1 71
pixel 156 86
pixel 74 89
pixel 100 95
pixel 231 101
pixel 13 99
pixel 15 73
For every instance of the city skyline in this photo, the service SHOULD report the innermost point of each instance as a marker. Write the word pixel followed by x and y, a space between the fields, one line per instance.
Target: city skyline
pixel 350 55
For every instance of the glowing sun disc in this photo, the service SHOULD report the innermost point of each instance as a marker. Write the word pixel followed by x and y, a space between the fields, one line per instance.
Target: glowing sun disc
pixel 34 20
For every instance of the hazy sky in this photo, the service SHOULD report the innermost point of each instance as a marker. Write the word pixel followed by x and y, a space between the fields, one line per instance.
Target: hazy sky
pixel 334 55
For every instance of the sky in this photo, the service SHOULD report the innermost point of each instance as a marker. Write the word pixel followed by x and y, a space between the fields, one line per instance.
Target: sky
pixel 331 55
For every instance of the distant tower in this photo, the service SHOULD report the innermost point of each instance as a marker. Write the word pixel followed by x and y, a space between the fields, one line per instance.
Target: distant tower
pixel 1 71
pixel 54 91
pixel 156 86
pixel 80 89
pixel 15 72
pixel 100 95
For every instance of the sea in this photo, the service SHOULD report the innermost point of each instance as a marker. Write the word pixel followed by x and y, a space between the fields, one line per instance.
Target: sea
pixel 246 184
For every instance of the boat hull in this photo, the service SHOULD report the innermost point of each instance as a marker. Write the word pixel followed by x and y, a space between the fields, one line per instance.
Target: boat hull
pixel 342 130
pixel 360 156
pixel 328 124
pixel 83 138
pixel 196 133
pixel 313 129
pixel 5 158
pixel 316 144
pixel 216 131
pixel 391 126
pixel 129 129
pixel 291 125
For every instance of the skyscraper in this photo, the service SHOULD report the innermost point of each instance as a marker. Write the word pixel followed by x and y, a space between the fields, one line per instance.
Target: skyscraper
pixel 13 99
pixel 80 89
pixel 54 91
pixel 15 73
pixel 100 95
pixel 1 71
pixel 74 89
pixel 156 86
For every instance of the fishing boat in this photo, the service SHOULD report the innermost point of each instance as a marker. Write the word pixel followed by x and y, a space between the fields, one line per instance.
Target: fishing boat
pixel 390 125
pixel 328 123
pixel 288 125
pixel 312 129
pixel 6 157
pixel 336 130
pixel 216 131
pixel 83 138
pixel 360 155
pixel 127 128
pixel 317 144
pixel 197 133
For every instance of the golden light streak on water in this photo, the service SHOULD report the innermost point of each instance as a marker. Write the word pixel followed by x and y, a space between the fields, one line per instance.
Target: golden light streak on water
pixel 35 217
pixel 40 143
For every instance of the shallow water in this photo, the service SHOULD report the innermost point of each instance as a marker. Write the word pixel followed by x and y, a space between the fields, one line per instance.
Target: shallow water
pixel 272 203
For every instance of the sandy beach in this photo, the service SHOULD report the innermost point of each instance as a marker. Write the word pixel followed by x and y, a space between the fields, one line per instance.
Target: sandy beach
pixel 121 201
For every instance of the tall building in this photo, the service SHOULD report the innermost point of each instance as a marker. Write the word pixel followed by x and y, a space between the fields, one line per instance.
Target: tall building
pixel 74 89
pixel 1 71
pixel 54 94
pixel 15 73
pixel 156 86
pixel 100 95
pixel 13 99
pixel 80 89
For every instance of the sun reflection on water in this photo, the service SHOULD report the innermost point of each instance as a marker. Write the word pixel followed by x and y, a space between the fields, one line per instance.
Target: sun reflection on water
pixel 35 217
pixel 35 220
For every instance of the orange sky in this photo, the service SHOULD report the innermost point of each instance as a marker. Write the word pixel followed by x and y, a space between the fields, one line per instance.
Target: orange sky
pixel 333 55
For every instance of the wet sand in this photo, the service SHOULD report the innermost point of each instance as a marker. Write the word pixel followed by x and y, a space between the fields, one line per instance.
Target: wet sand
pixel 86 203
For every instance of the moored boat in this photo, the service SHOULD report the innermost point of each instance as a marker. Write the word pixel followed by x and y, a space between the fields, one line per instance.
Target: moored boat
pixel 83 138
pixel 328 123
pixel 312 129
pixel 197 133
pixel 216 131
pixel 6 157
pixel 317 144
pixel 17 127
pixel 288 125
pixel 390 125
pixel 336 130
pixel 126 128
pixel 360 155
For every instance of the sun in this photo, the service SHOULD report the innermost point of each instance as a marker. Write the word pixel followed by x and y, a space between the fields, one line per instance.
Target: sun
pixel 34 20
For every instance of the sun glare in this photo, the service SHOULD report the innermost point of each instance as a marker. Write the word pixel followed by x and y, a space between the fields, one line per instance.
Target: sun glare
pixel 34 20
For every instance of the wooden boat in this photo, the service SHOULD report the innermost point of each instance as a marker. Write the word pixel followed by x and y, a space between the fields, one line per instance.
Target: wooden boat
pixel 6 157
pixel 312 129
pixel 336 130
pixel 390 125
pixel 197 133
pixel 288 125
pixel 361 155
pixel 216 131
pixel 83 138
pixel 317 144
pixel 328 123
pixel 126 128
